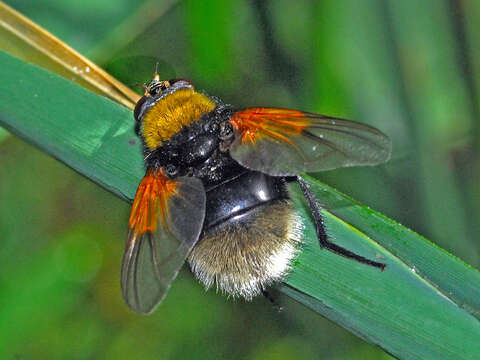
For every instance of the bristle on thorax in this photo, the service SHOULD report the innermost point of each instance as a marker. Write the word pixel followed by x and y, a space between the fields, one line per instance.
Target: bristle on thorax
pixel 167 117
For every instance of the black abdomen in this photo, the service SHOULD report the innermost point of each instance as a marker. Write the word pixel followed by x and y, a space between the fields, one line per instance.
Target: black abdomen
pixel 250 237
pixel 240 194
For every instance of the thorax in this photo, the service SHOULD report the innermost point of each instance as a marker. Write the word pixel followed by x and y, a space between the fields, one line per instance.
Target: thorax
pixel 182 134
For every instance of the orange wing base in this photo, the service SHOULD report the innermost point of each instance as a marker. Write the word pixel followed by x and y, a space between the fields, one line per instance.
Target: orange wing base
pixel 151 201
pixel 256 123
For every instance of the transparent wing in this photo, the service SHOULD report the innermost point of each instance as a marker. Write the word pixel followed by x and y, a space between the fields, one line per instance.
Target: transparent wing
pixel 165 223
pixel 284 142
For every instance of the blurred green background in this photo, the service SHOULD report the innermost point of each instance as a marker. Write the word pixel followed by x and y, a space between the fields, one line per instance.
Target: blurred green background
pixel 409 68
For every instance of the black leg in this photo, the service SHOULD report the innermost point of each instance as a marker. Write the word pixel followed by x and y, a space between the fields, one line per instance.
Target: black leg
pixel 272 300
pixel 321 233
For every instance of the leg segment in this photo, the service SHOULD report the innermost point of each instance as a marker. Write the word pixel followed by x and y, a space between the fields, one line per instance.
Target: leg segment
pixel 321 233
pixel 272 300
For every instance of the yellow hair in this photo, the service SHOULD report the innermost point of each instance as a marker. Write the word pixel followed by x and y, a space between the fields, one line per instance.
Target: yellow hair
pixel 170 114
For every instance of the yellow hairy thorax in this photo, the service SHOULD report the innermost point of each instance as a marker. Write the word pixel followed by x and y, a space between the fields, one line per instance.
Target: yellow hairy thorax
pixel 167 117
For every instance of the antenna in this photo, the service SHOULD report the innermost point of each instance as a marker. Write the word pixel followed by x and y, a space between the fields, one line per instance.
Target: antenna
pixel 155 74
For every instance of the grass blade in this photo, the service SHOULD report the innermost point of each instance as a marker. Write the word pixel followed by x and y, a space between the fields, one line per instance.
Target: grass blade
pixel 27 40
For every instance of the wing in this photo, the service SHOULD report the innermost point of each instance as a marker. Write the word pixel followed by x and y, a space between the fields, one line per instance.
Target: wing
pixel 283 142
pixel 165 223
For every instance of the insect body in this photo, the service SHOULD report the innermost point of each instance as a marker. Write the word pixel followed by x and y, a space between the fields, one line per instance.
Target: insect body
pixel 215 193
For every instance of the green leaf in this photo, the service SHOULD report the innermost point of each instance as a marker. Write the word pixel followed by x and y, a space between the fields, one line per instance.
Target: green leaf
pixel 425 305
pixel 3 134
